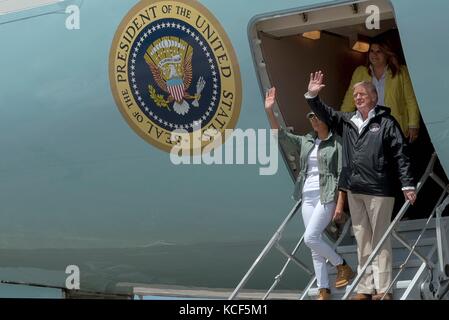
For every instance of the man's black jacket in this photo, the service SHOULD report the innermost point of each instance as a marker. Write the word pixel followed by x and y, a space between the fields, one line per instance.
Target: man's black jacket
pixel 374 159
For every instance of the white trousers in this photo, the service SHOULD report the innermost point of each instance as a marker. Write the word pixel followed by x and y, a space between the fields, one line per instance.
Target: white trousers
pixel 316 218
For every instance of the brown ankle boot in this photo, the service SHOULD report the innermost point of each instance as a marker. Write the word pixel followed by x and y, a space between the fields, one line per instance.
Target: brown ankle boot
pixel 344 275
pixel 361 296
pixel 380 296
pixel 324 294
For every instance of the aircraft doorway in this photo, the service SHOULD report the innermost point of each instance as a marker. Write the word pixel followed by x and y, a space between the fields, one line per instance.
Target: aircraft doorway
pixel 288 46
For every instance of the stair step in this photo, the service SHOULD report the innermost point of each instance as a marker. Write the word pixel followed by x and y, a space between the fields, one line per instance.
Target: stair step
pixel 414 226
pixel 418 224
pixel 398 289
pixel 394 243
pixel 413 263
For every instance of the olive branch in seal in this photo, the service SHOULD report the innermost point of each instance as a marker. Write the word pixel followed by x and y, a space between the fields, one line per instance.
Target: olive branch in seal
pixel 158 98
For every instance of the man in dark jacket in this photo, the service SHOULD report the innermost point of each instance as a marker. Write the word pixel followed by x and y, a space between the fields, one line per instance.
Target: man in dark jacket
pixel 375 156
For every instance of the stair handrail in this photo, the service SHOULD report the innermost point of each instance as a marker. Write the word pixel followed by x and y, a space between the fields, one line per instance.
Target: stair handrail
pixel 412 248
pixel 274 239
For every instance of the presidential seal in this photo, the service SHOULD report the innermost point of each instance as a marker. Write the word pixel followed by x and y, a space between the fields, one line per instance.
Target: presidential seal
pixel 173 70
pixel 374 127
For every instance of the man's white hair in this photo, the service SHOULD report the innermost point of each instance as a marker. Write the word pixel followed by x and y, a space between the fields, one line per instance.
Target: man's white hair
pixel 369 86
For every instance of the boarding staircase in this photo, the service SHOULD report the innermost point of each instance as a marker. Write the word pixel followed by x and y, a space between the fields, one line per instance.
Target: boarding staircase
pixel 420 253
pixel 408 231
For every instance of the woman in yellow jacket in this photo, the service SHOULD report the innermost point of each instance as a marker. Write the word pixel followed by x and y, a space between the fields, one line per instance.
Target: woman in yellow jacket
pixel 393 85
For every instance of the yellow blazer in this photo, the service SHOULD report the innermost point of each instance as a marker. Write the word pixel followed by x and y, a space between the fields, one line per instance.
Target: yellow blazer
pixel 399 96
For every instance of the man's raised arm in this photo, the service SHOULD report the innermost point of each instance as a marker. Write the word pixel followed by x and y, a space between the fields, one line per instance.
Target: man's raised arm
pixel 327 114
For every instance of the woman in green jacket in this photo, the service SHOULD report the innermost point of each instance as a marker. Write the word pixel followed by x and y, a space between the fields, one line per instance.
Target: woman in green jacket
pixel 316 186
pixel 393 85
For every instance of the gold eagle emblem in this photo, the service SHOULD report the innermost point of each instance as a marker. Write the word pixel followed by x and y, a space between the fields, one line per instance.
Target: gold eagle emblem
pixel 170 62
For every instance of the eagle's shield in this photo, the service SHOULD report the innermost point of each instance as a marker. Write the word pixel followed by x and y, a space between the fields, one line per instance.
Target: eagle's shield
pixel 176 88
